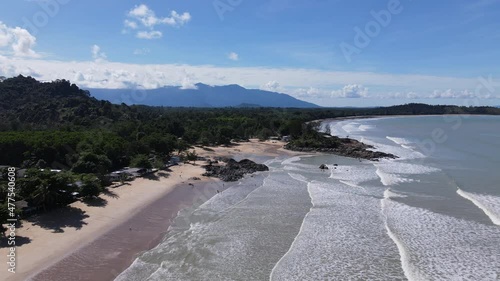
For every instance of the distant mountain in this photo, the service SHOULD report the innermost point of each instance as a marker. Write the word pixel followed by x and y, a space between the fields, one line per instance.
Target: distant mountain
pixel 202 96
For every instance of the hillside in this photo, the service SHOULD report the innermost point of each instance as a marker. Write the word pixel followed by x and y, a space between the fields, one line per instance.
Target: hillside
pixel 27 103
pixel 57 123
pixel 202 96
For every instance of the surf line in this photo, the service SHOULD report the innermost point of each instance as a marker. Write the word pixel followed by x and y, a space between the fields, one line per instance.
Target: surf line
pixel 411 273
pixel 298 234
pixel 469 196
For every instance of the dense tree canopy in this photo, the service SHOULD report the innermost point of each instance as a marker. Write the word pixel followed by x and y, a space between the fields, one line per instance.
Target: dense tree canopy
pixel 57 125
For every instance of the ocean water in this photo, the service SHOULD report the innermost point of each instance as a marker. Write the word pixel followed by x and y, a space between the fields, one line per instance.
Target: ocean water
pixel 431 214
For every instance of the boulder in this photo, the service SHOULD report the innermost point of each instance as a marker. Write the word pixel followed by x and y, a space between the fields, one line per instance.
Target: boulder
pixel 234 170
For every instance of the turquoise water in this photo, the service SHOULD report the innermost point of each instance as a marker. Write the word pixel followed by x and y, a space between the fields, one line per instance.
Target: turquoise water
pixel 431 214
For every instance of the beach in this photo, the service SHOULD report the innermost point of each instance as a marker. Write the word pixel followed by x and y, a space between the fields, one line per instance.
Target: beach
pixel 98 240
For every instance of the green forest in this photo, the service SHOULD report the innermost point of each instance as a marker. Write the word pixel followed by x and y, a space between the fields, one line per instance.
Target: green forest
pixel 57 125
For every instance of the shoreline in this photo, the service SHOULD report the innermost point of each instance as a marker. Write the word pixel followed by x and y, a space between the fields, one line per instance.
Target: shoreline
pixel 79 224
pixel 112 253
pixel 98 244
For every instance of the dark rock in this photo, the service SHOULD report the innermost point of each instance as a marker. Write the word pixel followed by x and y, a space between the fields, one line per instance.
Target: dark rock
pixel 234 170
pixel 323 167
pixel 194 179
pixel 348 148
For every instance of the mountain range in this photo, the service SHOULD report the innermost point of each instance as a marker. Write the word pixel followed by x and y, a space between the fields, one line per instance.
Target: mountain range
pixel 201 96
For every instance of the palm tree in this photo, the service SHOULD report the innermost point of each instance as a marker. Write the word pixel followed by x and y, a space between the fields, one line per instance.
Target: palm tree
pixel 45 188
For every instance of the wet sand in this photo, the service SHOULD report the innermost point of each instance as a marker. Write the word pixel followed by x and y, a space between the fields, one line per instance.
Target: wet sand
pixel 99 241
pixel 112 253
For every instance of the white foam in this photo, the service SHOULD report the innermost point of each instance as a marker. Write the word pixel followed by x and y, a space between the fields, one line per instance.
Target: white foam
pixel 244 241
pixel 403 152
pixel 388 179
pixel 489 204
pixel 300 231
pixel 290 160
pixel 298 177
pixel 352 184
pixel 409 270
pixel 388 193
pixel 400 141
pixel 438 247
pixel 138 271
pixel 394 172
pixel 342 238
pixel 365 128
pixel 336 130
pixel 351 127
pixel 354 174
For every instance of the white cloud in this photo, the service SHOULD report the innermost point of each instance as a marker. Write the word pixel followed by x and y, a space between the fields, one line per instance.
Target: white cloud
pixel 310 92
pixel 233 56
pixel 176 19
pixel 97 55
pixel 453 94
pixel 130 24
pixel 149 34
pixel 273 86
pixel 351 91
pixel 187 81
pixel 309 84
pixel 143 18
pixel 19 40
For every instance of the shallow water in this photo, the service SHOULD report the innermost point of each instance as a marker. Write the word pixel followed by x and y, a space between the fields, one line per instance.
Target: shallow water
pixel 432 214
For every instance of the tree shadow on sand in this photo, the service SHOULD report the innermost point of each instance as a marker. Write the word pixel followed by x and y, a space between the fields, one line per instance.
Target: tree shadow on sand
pixel 95 202
pixel 152 177
pixel 20 240
pixel 163 174
pixel 60 218
pixel 110 193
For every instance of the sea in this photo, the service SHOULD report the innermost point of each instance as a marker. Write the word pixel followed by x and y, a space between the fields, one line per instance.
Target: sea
pixel 431 214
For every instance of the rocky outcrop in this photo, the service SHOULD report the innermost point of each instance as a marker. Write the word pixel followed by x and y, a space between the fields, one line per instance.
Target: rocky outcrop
pixel 348 148
pixel 234 170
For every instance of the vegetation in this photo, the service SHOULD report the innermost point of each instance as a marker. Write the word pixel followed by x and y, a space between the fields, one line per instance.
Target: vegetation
pixel 56 125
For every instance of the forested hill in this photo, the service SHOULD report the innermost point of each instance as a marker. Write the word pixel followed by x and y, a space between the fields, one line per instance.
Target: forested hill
pixel 26 103
pixel 57 122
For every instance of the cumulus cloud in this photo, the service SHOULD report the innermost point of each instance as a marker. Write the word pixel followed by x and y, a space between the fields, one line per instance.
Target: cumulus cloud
pixel 452 94
pixel 97 54
pixel 273 86
pixel 188 81
pixel 397 95
pixel 309 84
pixel 130 24
pixel 149 34
pixel 144 19
pixel 310 92
pixel 18 40
pixel 351 91
pixel 233 56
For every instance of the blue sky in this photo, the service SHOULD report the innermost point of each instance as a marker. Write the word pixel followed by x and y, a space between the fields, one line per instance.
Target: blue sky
pixel 331 52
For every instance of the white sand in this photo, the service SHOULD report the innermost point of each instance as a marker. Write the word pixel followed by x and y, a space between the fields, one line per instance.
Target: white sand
pixel 48 247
